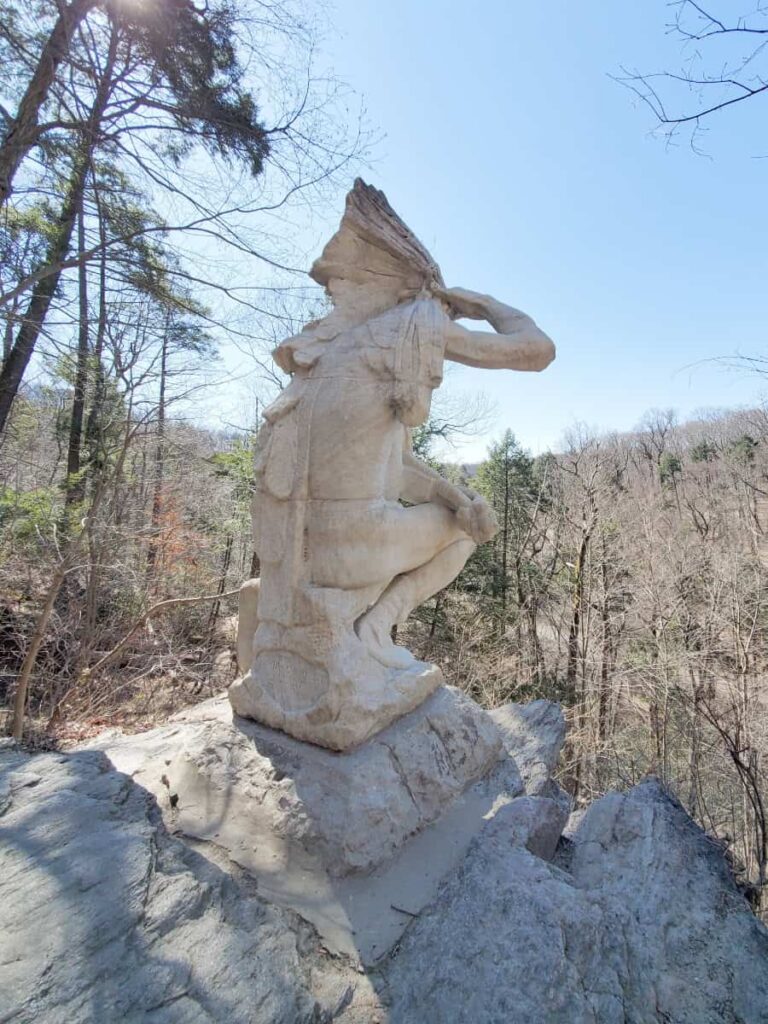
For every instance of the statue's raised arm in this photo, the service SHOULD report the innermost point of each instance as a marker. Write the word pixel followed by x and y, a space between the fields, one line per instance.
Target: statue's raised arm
pixel 519 344
pixel 342 558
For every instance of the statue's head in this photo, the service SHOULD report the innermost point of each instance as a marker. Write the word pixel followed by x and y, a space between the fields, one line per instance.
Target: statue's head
pixel 372 264
pixel 357 302
pixel 374 261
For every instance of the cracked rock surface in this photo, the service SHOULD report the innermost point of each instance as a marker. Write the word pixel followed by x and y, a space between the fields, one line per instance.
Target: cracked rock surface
pixel 107 917
pixel 641 922
pixel 232 779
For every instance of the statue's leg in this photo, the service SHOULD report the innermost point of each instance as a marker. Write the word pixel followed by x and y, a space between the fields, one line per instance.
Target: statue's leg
pixel 247 623
pixel 354 548
pixel 405 593
pixel 388 558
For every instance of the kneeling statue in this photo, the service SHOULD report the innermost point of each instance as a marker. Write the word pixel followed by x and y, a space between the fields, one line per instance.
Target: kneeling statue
pixel 342 559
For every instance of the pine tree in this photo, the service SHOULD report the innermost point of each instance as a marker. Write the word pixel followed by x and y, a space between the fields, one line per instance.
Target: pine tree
pixel 507 482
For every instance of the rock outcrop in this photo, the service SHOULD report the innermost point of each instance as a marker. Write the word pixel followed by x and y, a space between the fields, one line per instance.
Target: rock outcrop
pixel 230 779
pixel 357 843
pixel 533 734
pixel 641 922
pixel 107 916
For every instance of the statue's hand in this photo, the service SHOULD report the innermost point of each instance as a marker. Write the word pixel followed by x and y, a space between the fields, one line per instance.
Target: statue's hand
pixel 477 519
pixel 466 303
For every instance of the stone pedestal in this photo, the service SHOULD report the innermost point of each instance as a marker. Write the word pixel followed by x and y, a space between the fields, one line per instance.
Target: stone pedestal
pixel 356 843
pixel 245 785
pixel 365 696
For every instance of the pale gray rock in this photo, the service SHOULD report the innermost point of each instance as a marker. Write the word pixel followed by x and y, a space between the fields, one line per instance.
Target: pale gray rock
pixel 107 918
pixel 696 955
pixel 647 926
pixel 533 822
pixel 533 734
pixel 236 782
pixel 324 833
pixel 357 843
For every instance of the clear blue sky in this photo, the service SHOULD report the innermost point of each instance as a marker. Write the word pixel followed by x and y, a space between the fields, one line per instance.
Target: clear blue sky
pixel 530 174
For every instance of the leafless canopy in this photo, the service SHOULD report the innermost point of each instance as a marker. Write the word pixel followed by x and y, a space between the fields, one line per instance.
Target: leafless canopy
pixel 725 63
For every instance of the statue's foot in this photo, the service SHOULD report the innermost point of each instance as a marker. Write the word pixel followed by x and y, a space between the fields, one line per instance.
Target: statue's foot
pixel 376 638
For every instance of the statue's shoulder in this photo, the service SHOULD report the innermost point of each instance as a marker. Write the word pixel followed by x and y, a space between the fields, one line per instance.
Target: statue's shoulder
pixel 384 330
pixel 420 312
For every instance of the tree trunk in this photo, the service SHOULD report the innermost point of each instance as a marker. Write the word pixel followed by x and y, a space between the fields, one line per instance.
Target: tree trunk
pixel 75 484
pixel 435 615
pixel 42 294
pixel 16 364
pixel 94 427
pixel 24 129
pixel 505 546
pixel 222 583
pixel 693 763
pixel 96 464
pixel 10 320
pixel 577 598
pixel 605 654
pixel 157 493
pixel 22 684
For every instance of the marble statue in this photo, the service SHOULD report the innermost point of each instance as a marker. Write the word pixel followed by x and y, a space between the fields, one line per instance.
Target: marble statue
pixel 342 558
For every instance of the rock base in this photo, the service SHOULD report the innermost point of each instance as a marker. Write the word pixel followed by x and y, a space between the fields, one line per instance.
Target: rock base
pixel 107 917
pixel 260 793
pixel 364 698
pixel 359 843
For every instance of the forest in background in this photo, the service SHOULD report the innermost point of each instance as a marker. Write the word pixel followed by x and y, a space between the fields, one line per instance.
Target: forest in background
pixel 144 189
pixel 157 160
pixel 629 580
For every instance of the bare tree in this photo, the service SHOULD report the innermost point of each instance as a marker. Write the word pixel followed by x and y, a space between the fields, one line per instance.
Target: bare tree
pixel 150 100
pixel 725 64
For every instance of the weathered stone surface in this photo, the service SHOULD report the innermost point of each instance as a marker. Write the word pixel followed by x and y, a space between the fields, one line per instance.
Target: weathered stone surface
pixel 325 833
pixel 695 954
pixel 534 734
pixel 342 558
pixel 533 822
pixel 106 918
pixel 648 927
pixel 244 785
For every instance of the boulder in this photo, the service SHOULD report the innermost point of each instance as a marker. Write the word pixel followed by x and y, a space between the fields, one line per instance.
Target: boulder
pixel 533 734
pixel 229 779
pixel 532 822
pixel 107 918
pixel 642 923
pixel 324 833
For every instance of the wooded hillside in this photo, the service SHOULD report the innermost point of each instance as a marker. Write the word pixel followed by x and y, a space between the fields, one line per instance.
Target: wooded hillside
pixel 145 189
pixel 629 582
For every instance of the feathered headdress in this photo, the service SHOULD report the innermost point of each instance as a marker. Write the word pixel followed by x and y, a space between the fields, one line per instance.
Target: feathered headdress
pixel 373 245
